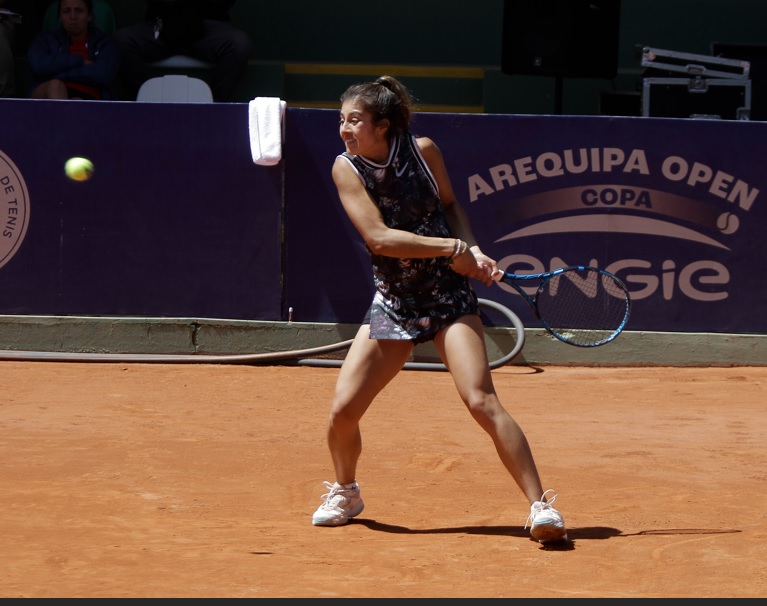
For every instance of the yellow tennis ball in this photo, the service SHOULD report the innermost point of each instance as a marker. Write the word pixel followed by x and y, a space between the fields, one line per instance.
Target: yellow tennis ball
pixel 79 169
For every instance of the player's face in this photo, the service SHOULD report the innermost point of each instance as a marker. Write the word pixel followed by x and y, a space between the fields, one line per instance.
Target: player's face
pixel 75 17
pixel 359 134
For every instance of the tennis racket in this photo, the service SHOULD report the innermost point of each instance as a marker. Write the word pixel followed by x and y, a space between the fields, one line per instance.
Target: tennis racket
pixel 579 305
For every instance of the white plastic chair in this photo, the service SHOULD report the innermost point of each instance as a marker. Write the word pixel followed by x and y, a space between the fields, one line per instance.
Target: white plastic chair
pixel 175 89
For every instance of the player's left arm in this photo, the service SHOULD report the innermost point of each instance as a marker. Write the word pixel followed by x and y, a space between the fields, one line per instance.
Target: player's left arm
pixel 456 216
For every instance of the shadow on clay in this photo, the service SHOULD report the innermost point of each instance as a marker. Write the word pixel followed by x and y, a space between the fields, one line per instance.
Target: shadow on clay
pixel 586 533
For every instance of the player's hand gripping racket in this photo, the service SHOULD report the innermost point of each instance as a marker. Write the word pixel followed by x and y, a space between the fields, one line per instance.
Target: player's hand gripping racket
pixel 582 306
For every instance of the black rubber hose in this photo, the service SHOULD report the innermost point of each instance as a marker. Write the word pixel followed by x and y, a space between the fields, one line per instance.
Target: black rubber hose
pixel 296 356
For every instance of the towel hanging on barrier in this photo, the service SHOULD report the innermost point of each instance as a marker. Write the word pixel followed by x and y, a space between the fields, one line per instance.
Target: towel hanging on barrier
pixel 266 125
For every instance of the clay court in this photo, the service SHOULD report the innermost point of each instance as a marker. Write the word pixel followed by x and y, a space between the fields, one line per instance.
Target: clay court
pixel 199 480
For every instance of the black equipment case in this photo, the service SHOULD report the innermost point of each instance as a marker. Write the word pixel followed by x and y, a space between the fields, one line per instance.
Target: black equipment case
pixel 712 87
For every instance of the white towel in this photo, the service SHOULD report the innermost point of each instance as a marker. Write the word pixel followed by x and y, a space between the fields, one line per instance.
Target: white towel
pixel 265 122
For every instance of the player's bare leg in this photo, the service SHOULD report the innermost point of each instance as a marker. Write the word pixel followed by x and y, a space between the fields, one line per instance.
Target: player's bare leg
pixel 368 367
pixel 463 350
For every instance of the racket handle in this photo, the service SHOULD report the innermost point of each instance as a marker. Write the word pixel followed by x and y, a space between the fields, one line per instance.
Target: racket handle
pixel 497 275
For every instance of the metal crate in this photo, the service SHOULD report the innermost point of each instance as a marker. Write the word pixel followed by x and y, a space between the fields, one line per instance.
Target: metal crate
pixel 703 66
pixel 711 98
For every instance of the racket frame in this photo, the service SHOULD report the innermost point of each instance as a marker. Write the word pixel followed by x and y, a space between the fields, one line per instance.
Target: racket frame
pixel 514 281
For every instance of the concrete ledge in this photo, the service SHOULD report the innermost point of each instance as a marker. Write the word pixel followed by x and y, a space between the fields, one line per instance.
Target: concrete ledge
pixel 211 340
pixel 166 336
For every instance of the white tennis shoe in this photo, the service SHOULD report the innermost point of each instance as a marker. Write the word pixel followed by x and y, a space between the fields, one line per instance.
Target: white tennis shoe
pixel 339 504
pixel 546 523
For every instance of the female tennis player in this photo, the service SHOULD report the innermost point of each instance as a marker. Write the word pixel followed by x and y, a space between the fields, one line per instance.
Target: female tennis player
pixel 395 189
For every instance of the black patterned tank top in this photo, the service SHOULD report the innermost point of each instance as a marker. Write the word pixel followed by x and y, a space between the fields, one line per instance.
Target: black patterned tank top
pixel 414 298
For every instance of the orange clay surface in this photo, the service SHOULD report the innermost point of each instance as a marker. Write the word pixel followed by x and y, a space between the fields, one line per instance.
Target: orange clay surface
pixel 198 480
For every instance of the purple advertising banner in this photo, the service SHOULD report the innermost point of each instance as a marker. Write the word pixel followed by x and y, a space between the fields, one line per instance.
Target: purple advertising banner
pixel 178 221
pixel 674 207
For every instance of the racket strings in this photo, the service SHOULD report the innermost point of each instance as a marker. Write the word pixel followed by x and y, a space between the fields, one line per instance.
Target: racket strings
pixel 583 307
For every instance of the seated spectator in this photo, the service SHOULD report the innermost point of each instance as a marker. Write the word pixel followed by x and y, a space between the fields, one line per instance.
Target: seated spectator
pixel 196 28
pixel 7 63
pixel 76 61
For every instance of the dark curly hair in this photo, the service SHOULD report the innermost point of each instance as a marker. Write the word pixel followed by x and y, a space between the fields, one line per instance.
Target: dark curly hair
pixel 386 99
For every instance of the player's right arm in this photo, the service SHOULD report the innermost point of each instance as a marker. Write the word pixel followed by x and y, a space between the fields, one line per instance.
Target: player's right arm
pixel 366 217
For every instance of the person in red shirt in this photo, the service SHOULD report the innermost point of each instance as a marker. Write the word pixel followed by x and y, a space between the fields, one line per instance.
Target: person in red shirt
pixel 77 61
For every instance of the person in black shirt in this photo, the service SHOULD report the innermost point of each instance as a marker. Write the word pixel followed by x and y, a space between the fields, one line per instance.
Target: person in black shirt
pixel 196 28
